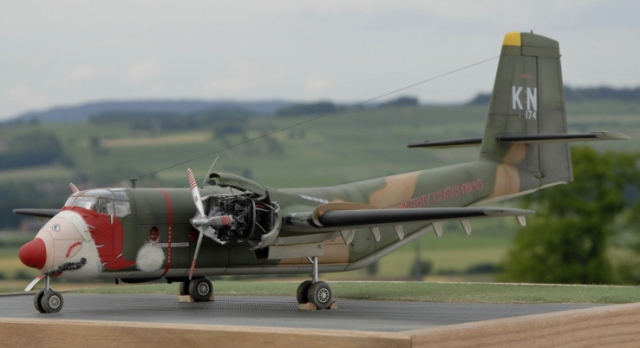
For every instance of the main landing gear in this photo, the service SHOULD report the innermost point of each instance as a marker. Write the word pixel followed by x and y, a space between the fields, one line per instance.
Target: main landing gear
pixel 313 291
pixel 48 300
pixel 200 289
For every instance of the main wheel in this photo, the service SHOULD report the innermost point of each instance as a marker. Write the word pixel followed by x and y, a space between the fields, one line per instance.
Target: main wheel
pixel 200 289
pixel 37 301
pixel 184 288
pixel 51 302
pixel 320 294
pixel 303 290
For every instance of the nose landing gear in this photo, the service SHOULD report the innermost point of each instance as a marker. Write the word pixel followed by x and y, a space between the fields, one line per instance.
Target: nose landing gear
pixel 315 292
pixel 48 300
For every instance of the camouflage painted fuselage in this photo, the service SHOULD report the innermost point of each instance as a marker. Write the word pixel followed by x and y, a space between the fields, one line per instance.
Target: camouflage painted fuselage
pixel 146 233
pixel 157 239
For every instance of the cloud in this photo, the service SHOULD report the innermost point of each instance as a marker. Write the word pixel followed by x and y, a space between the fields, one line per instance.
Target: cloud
pixel 244 75
pixel 144 70
pixel 24 95
pixel 121 42
pixel 80 73
pixel 43 59
pixel 318 83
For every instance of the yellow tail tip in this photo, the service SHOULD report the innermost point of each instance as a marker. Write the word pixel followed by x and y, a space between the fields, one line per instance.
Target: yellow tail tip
pixel 512 39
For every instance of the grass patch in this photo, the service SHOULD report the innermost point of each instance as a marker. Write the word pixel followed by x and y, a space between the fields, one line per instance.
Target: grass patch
pixel 412 291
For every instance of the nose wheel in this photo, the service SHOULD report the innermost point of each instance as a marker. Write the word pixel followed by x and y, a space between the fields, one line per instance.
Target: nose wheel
pixel 48 300
pixel 313 291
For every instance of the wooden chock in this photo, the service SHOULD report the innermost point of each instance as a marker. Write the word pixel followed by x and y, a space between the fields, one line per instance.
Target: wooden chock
pixel 188 298
pixel 311 307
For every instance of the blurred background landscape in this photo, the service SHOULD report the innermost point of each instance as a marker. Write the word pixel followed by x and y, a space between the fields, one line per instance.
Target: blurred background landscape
pixel 287 144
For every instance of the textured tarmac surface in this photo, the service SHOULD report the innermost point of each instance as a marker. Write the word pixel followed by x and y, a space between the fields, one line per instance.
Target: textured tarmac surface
pixel 273 311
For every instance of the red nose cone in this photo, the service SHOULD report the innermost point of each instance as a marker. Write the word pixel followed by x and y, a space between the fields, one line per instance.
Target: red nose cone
pixel 33 254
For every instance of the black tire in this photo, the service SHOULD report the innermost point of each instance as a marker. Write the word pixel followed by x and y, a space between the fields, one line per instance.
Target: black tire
pixel 52 302
pixel 200 289
pixel 303 290
pixel 37 300
pixel 184 288
pixel 320 294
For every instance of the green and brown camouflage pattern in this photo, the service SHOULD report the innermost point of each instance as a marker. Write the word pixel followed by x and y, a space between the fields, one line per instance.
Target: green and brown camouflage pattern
pixel 527 101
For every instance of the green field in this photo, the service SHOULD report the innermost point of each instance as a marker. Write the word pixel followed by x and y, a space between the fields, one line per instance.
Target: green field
pixel 338 148
pixel 347 146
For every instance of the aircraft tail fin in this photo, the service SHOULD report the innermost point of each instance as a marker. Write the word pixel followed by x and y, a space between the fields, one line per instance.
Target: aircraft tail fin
pixel 526 129
pixel 528 100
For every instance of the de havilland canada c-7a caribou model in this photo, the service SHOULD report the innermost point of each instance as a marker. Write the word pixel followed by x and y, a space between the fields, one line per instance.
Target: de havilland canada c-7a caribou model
pixel 233 225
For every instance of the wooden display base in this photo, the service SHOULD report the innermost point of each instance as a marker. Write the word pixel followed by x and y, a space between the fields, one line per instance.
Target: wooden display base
pixel 311 307
pixel 188 298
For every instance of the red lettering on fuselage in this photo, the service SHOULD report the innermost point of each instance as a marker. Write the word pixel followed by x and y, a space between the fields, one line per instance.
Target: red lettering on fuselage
pixel 444 194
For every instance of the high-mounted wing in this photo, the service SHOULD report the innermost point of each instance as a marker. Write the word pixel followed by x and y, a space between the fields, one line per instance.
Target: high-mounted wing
pixel 355 218
pixel 42 213
pixel 340 216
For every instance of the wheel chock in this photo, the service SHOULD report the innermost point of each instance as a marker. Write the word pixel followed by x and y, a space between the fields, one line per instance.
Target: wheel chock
pixel 188 298
pixel 312 307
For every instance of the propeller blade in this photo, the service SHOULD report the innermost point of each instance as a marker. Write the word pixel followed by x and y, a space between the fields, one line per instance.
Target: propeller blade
pixel 195 255
pixel 195 193
pixel 74 188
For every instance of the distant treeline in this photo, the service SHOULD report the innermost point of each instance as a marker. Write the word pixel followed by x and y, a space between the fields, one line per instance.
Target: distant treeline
pixel 31 149
pixel 223 120
pixel 582 94
pixel 326 107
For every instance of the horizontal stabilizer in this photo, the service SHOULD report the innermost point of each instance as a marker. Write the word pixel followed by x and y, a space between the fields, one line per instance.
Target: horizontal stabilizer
pixel 524 138
pixel 447 143
pixel 559 138
pixel 43 213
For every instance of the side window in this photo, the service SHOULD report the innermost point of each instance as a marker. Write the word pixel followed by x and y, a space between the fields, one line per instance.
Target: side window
pixel 105 206
pixel 123 208
pixel 122 205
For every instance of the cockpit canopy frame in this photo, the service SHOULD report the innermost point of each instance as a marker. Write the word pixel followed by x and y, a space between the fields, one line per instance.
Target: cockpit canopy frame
pixel 104 201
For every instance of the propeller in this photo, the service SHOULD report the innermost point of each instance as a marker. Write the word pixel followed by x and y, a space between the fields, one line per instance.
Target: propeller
pixel 199 221
pixel 202 222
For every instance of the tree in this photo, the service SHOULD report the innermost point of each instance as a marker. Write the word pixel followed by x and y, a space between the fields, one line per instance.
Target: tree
pixel 321 107
pixel 567 239
pixel 400 102
pixel 31 149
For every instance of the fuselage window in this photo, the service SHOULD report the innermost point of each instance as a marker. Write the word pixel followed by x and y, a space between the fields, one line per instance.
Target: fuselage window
pixel 105 206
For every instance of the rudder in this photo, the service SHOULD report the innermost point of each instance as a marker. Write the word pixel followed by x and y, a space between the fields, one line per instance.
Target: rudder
pixel 528 99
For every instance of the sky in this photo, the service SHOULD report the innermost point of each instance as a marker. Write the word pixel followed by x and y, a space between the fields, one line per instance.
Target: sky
pixel 70 52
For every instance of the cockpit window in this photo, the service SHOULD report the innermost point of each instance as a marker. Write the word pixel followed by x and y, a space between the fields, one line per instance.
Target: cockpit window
pixel 89 203
pixel 103 201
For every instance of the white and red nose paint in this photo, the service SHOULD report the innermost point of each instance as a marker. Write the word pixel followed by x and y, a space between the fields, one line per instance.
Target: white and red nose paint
pixel 65 238
pixel 33 254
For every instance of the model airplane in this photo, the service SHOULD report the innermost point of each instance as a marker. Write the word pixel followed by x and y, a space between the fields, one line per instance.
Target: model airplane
pixel 144 234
